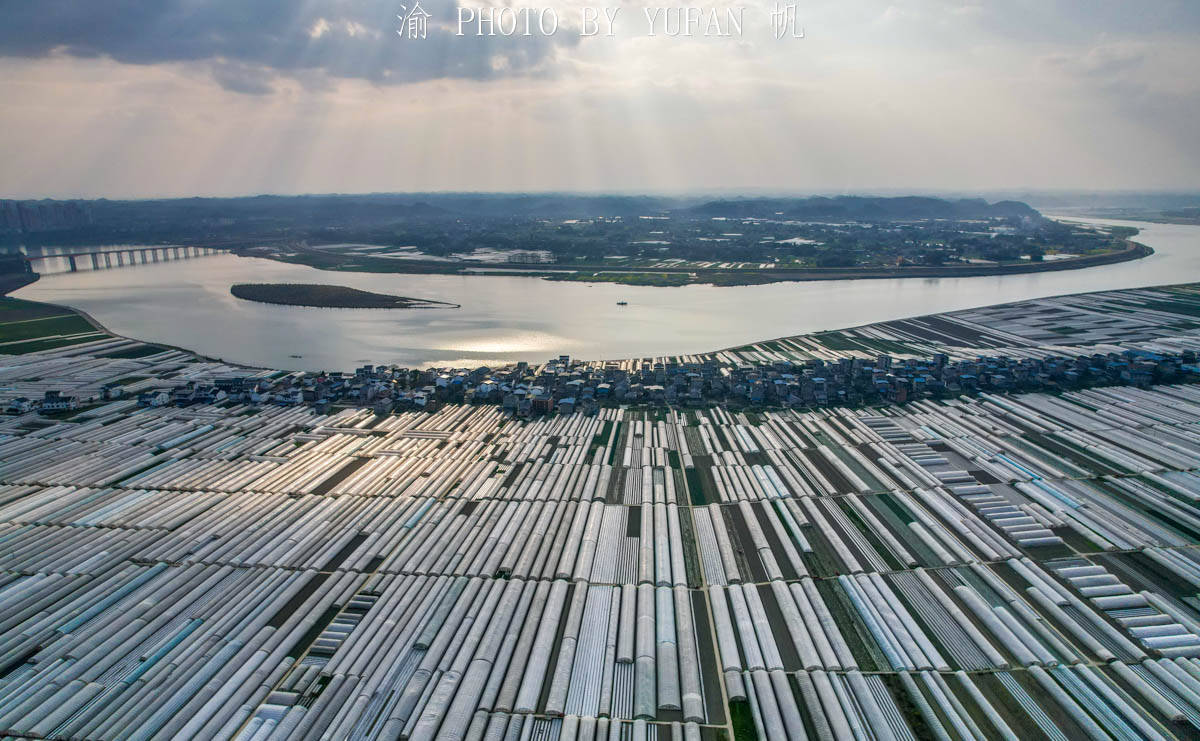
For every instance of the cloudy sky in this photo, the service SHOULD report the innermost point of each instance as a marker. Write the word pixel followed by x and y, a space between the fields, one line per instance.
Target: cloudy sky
pixel 140 98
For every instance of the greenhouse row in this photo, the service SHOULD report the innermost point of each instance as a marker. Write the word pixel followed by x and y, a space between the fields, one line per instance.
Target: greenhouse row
pixel 992 568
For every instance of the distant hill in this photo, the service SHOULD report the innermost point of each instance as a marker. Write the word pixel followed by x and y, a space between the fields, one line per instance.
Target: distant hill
pixel 425 217
pixel 862 208
pixel 331 210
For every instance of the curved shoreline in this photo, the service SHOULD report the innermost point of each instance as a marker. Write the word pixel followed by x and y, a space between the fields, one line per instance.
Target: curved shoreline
pixel 733 348
pixel 705 276
pixel 907 317
pixel 755 337
pixel 114 335
pixel 1134 251
pixel 153 343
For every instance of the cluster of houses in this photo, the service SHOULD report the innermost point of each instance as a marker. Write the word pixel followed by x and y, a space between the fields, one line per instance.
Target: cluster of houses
pixel 56 402
pixel 565 386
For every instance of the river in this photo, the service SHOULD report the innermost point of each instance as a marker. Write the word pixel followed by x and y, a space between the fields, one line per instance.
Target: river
pixel 504 319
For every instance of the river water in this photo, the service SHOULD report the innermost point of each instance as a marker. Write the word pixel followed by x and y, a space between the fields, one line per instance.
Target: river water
pixel 505 319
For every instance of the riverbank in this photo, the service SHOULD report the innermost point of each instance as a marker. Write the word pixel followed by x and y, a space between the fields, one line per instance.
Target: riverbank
pixel 329 297
pixel 683 276
pixel 507 319
pixel 666 278
pixel 10 282
pixel 1104 318
pixel 33 326
pixel 30 326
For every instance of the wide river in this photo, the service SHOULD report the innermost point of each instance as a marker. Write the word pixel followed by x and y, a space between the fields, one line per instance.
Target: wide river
pixel 503 319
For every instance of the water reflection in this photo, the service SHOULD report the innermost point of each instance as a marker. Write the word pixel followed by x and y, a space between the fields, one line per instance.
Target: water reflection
pixel 504 319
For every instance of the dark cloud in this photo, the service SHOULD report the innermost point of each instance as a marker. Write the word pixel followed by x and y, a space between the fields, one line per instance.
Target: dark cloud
pixel 242 79
pixel 252 41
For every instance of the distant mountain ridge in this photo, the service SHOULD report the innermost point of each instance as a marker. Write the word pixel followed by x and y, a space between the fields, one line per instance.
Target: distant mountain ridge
pixel 334 217
pixel 386 206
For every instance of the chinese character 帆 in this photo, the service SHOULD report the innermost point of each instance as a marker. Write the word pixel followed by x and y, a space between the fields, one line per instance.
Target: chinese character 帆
pixel 783 22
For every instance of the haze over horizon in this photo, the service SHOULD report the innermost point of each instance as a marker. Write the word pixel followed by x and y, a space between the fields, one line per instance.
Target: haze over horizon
pixel 228 98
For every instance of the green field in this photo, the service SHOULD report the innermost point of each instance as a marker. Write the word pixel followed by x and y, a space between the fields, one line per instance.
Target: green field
pixel 138 351
pixel 28 326
pixel 15 310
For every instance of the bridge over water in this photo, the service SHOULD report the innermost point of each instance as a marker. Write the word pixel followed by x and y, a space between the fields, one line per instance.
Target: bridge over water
pixel 52 260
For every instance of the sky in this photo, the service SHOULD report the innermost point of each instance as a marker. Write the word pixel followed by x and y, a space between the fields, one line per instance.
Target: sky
pixel 135 99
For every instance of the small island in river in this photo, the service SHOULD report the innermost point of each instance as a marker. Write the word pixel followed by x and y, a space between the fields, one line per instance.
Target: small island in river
pixel 329 297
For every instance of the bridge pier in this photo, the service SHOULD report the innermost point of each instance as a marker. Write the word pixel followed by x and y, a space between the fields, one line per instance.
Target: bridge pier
pixel 73 262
